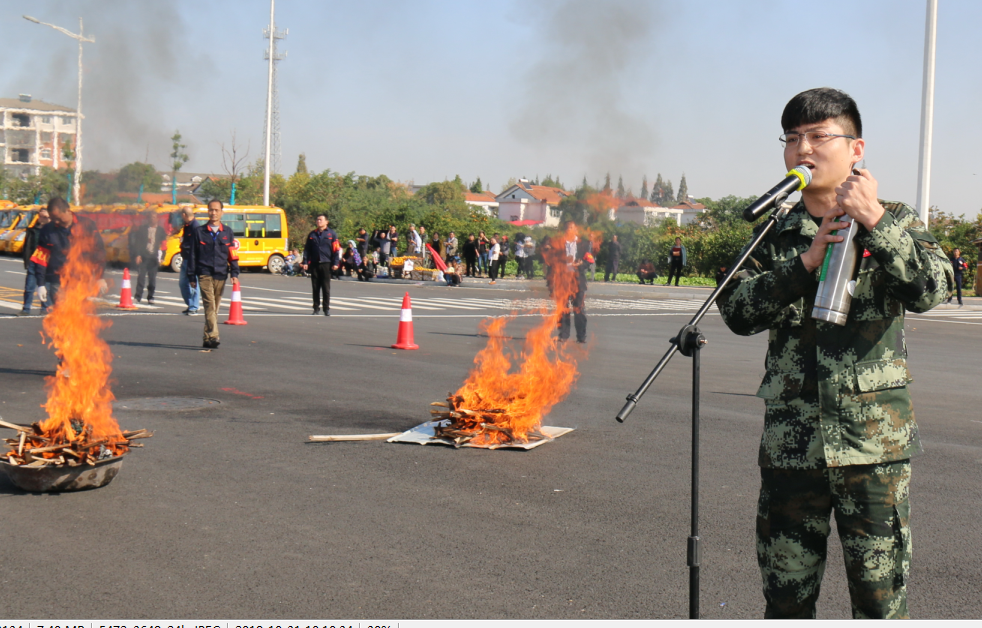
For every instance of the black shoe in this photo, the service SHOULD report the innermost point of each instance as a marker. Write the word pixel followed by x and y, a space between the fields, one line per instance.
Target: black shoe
pixel 580 342
pixel 137 299
pixel 24 313
pixel 316 311
pixel 149 301
pixel 327 312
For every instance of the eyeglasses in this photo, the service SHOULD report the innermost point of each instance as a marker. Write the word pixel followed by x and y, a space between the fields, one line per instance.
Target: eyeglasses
pixel 812 137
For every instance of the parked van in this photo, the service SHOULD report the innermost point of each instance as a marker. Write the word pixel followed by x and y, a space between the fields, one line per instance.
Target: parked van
pixel 12 240
pixel 260 231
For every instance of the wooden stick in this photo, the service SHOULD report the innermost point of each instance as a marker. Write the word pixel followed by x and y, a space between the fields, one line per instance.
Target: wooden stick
pixel 51 448
pixel 20 447
pixel 14 426
pixel 350 437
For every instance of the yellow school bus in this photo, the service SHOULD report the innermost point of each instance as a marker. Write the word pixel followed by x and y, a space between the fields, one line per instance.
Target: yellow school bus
pixel 12 240
pixel 260 231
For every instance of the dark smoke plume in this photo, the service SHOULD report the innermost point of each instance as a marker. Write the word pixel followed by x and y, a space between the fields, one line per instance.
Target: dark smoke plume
pixel 134 73
pixel 578 92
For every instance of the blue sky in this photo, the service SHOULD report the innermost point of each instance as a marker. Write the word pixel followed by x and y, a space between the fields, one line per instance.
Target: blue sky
pixel 424 91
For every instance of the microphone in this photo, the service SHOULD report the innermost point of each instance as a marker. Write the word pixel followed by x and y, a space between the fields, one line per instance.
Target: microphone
pixel 796 179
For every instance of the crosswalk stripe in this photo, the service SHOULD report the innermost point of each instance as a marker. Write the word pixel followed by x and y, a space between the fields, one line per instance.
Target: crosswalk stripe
pixel 271 303
pixel 353 303
pixel 397 303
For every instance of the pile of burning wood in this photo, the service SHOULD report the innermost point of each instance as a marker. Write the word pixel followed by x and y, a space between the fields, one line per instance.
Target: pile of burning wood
pixel 33 449
pixel 463 426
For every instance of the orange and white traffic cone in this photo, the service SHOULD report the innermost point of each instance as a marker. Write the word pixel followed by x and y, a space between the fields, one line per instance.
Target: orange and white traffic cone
pixel 405 338
pixel 235 307
pixel 126 293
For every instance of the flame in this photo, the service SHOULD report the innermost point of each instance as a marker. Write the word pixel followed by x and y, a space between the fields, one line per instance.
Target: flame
pixel 546 369
pixel 79 402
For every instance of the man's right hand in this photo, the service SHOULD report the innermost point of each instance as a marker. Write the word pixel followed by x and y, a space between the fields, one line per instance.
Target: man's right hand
pixel 815 255
pixel 193 284
pixel 139 260
pixel 304 266
pixel 43 294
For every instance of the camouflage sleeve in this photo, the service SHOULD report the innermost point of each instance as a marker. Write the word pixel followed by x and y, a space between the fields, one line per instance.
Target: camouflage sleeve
pixel 918 273
pixel 761 292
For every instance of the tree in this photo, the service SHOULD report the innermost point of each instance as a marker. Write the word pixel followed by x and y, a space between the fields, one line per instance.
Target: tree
pixel 656 190
pixel 178 159
pixel 131 176
pixel 620 187
pixel 443 193
pixel 551 182
pixel 606 187
pixel 584 185
pixel 644 187
pixel 477 187
pixel 232 164
pixel 510 182
pixel 667 195
pixel 683 190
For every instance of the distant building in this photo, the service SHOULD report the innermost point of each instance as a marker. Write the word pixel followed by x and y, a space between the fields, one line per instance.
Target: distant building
pixel 485 200
pixel 187 182
pixel 644 212
pixel 526 202
pixel 32 134
pixel 690 210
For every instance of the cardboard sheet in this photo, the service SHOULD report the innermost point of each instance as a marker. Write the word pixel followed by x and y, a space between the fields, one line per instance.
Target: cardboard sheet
pixel 425 435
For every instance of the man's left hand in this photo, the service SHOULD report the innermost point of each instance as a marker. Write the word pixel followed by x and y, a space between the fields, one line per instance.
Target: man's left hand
pixel 857 197
pixel 335 267
pixel 103 286
pixel 235 282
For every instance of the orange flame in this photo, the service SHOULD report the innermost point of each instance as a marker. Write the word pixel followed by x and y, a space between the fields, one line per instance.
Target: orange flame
pixel 79 403
pixel 546 369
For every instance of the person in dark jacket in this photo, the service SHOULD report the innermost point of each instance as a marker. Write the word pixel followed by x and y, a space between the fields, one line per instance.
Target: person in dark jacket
pixel 321 257
pixel 960 266
pixel 214 256
pixel 30 244
pixel 144 245
pixel 54 241
pixel 613 259
pixel 191 296
pixel 579 256
pixel 470 255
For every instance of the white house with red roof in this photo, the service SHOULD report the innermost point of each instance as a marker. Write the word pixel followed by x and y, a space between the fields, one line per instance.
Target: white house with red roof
pixel 485 200
pixel 690 210
pixel 644 212
pixel 537 204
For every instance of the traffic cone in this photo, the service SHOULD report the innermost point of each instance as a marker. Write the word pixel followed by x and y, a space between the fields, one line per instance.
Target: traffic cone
pixel 405 338
pixel 126 293
pixel 235 308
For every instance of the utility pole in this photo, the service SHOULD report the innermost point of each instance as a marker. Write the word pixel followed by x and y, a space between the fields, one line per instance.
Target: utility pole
pixel 77 186
pixel 927 115
pixel 271 153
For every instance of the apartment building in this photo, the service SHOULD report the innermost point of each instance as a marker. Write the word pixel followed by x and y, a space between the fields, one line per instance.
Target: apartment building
pixel 32 134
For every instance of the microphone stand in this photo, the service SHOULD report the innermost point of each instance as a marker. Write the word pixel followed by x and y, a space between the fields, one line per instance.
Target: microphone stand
pixel 689 342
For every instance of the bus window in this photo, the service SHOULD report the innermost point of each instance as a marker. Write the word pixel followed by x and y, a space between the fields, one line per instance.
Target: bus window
pixel 255 228
pixel 236 222
pixel 273 228
pixel 176 220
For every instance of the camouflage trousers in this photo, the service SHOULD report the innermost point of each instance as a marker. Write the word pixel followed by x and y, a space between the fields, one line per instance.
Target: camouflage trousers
pixel 872 516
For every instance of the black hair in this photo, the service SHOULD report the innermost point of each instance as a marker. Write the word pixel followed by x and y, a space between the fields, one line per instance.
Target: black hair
pixel 221 205
pixel 58 204
pixel 822 103
pixel 324 215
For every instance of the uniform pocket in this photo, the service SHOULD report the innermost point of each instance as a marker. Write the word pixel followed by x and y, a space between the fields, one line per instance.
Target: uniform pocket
pixel 880 375
pixel 781 387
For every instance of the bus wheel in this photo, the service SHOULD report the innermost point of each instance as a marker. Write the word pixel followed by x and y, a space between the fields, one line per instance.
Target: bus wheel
pixel 276 264
pixel 176 262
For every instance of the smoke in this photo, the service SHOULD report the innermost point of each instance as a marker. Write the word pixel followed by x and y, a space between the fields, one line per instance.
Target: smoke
pixel 578 93
pixel 136 76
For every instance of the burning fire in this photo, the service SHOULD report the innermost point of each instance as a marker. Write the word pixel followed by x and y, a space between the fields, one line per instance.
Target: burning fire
pixel 79 403
pixel 496 405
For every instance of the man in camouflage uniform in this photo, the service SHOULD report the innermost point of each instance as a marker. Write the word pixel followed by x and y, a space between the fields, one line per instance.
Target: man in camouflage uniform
pixel 839 425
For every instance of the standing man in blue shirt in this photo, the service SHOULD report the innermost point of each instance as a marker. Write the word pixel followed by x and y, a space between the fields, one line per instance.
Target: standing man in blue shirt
pixel 214 256
pixel 321 256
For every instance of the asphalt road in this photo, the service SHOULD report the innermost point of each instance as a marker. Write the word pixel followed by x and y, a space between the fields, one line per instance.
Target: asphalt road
pixel 228 512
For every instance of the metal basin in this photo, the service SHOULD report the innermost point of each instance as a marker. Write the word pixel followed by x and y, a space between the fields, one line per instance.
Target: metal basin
pixel 57 479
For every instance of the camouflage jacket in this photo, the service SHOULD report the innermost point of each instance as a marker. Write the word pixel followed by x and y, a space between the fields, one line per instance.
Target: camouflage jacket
pixel 837 395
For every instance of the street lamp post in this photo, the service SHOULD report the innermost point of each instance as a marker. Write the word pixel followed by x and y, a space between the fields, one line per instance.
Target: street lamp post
pixel 76 186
